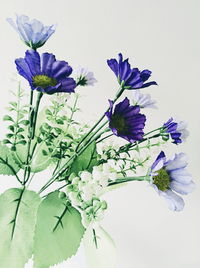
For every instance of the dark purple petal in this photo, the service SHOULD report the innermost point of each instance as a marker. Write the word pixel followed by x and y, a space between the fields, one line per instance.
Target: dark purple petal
pixel 120 107
pixel 23 69
pixel 67 85
pixel 149 84
pixel 114 66
pixel 110 110
pixel 145 74
pixel 158 159
pixel 33 60
pixel 61 69
pixel 51 90
pixel 47 60
pixel 124 70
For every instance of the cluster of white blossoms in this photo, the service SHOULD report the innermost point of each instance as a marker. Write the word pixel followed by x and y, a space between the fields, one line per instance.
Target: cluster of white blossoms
pixel 85 190
pixel 107 149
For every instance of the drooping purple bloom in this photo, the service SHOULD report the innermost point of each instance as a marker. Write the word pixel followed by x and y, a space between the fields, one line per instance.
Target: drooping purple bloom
pixel 171 177
pixel 44 73
pixel 32 32
pixel 126 121
pixel 130 78
pixel 177 130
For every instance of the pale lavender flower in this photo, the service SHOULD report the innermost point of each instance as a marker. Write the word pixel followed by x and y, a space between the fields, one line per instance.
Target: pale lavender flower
pixel 143 100
pixel 171 177
pixel 84 77
pixel 32 32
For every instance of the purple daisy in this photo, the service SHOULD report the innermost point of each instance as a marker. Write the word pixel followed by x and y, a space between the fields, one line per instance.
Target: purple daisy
pixel 177 130
pixel 126 121
pixel 129 78
pixel 44 73
pixel 171 177
pixel 32 32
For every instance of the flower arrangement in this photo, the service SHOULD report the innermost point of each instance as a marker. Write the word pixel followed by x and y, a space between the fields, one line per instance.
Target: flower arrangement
pixel 84 160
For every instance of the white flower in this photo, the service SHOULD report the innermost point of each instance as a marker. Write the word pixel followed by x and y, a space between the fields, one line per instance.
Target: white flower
pixel 32 32
pixel 84 77
pixel 86 176
pixel 87 192
pixel 96 173
pixel 143 100
pixel 73 196
pixel 182 128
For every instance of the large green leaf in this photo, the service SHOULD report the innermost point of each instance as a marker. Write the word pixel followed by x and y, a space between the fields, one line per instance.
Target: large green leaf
pixel 18 209
pixel 8 165
pixel 100 249
pixel 58 231
pixel 85 161
pixel 40 161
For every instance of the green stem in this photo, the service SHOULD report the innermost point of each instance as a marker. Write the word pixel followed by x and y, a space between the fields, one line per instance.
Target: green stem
pixel 40 94
pixel 108 136
pixel 73 111
pixel 128 179
pixel 77 150
pixel 119 93
pixel 152 131
pixel 66 165
pixel 32 126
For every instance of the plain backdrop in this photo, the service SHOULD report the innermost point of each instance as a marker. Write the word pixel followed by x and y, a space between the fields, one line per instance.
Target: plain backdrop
pixel 163 36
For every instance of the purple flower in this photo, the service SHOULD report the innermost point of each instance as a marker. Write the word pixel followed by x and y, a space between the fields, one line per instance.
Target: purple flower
pixel 177 130
pixel 32 32
pixel 46 74
pixel 171 177
pixel 127 77
pixel 126 121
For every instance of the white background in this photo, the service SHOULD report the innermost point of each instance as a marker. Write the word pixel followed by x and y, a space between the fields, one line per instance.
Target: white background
pixel 162 36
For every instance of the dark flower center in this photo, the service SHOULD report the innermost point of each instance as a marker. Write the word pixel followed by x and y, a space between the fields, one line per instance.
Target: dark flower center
pixel 118 122
pixel 82 81
pixel 162 180
pixel 44 81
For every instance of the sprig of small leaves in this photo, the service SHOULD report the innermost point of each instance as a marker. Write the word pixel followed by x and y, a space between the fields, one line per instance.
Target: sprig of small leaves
pixel 17 121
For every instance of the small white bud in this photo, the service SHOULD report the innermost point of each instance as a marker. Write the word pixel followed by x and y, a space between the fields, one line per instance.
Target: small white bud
pixel 86 176
pixel 75 180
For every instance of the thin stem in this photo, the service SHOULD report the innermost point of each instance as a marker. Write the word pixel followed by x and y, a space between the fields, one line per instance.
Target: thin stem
pixel 66 165
pixel 119 93
pixel 32 125
pixel 152 131
pixel 77 151
pixel 108 136
pixel 40 94
pixel 128 179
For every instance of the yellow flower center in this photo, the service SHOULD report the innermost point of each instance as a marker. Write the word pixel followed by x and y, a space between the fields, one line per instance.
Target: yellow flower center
pixel 118 122
pixel 162 180
pixel 44 81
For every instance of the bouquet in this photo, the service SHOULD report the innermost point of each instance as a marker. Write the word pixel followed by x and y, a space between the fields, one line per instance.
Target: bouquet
pixel 84 161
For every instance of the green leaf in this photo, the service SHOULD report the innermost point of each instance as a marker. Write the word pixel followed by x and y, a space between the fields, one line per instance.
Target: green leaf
pixel 41 161
pixel 18 209
pixel 8 118
pixel 85 161
pixel 8 166
pixel 58 231
pixel 103 253
pixel 24 122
